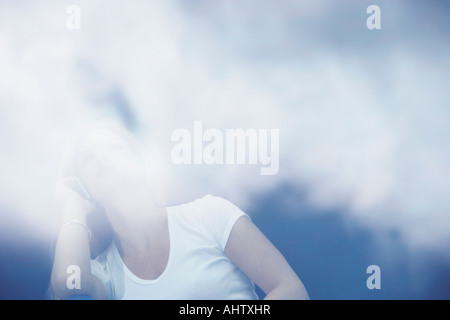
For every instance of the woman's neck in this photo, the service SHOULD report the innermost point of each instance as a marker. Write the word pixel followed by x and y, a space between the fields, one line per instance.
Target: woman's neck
pixel 138 224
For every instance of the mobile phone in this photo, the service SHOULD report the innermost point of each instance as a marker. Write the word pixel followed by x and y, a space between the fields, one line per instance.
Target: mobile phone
pixel 78 187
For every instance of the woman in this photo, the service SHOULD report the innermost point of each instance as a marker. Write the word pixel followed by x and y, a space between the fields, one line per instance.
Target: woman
pixel 204 249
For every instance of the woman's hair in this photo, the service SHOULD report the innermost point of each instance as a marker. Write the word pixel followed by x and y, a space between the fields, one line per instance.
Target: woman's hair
pixel 102 233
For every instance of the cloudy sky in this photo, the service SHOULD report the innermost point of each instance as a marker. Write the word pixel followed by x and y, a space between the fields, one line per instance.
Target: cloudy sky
pixel 363 115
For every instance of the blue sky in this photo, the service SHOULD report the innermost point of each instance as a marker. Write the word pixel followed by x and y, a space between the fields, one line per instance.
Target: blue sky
pixel 363 119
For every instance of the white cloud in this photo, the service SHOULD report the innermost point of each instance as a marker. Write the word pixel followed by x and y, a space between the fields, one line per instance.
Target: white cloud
pixel 372 142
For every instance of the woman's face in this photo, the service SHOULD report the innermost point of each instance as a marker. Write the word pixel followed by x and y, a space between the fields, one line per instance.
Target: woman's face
pixel 107 163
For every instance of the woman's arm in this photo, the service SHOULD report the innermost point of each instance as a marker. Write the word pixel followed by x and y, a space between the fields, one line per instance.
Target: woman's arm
pixel 256 256
pixel 72 249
